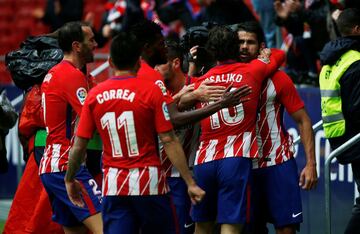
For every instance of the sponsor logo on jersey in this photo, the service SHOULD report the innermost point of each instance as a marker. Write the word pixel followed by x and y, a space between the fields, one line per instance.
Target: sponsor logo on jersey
pixel 81 94
pixel 161 86
pixel 165 111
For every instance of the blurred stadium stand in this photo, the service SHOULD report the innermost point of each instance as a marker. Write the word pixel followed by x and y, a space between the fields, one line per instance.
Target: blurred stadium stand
pixel 17 23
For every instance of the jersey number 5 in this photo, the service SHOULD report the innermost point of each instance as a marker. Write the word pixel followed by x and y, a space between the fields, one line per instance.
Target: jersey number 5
pixel 113 124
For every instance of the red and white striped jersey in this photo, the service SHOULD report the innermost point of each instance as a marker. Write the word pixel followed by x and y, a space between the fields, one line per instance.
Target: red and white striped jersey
pixel 64 90
pixel 275 144
pixel 128 114
pixel 148 180
pixel 230 132
pixel 185 135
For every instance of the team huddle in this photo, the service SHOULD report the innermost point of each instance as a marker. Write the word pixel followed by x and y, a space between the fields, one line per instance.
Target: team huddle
pixel 243 171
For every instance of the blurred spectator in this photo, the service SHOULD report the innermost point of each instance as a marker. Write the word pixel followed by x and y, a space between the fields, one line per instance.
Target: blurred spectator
pixel 225 11
pixel 59 12
pixel 8 117
pixel 305 22
pixel 266 12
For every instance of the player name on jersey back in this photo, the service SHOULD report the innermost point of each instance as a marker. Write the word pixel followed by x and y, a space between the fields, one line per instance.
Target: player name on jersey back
pixel 227 78
pixel 112 94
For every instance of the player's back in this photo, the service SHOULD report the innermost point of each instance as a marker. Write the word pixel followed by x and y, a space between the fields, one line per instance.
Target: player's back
pixel 275 144
pixel 125 113
pixel 231 131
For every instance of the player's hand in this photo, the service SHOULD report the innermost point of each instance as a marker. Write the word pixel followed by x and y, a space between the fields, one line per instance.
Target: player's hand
pixel 196 194
pixel 308 177
pixel 74 190
pixel 186 89
pixel 265 55
pixel 206 92
pixel 233 98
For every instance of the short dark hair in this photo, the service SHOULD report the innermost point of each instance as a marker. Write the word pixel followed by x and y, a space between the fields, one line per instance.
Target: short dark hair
pixel 125 50
pixel 223 43
pixel 252 27
pixel 174 50
pixel 70 32
pixel 146 31
pixel 348 19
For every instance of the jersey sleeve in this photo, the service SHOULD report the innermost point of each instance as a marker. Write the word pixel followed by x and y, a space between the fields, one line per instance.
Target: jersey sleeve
pixel 162 116
pixel 262 70
pixel 75 91
pixel 288 95
pixel 165 92
pixel 86 125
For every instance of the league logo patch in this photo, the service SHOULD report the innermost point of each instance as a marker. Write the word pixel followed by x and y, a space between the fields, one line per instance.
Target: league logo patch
pixel 161 86
pixel 48 77
pixel 81 94
pixel 165 111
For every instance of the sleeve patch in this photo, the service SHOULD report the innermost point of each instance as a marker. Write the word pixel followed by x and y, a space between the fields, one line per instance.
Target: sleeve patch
pixel 161 86
pixel 165 111
pixel 81 94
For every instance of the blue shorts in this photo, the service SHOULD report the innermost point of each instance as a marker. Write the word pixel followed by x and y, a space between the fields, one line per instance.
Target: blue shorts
pixel 64 211
pixel 151 214
pixel 182 203
pixel 276 195
pixel 227 186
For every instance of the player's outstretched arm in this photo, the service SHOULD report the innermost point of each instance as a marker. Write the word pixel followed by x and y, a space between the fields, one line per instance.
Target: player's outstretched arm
pixel 76 158
pixel 308 176
pixel 175 153
pixel 229 98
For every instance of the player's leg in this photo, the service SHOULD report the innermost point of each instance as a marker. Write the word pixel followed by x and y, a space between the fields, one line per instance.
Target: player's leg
pixel 259 202
pixel 204 227
pixel 119 214
pixel 94 223
pixel 156 213
pixel 289 229
pixel 181 200
pixel 75 230
pixel 283 197
pixel 354 222
pixel 233 205
pixel 204 213
pixel 64 211
pixel 231 228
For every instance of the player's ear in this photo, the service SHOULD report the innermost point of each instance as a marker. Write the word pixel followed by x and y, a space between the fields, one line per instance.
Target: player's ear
pixel 76 46
pixel 262 45
pixel 176 63
pixel 111 63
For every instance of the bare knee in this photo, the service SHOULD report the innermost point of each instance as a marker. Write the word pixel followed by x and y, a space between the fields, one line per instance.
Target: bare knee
pixel 231 228
pixel 290 229
pixel 204 227
pixel 94 223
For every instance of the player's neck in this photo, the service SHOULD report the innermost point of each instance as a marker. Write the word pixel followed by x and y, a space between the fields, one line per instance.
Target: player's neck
pixel 177 83
pixel 125 73
pixel 74 60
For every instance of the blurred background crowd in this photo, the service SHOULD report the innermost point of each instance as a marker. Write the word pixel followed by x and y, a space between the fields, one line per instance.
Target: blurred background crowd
pixel 300 27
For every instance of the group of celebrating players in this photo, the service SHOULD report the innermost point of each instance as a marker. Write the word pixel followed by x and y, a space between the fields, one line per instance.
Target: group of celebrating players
pixel 243 171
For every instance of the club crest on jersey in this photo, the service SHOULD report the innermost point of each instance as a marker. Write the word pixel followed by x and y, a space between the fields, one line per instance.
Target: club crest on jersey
pixel 165 111
pixel 48 77
pixel 161 86
pixel 81 94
